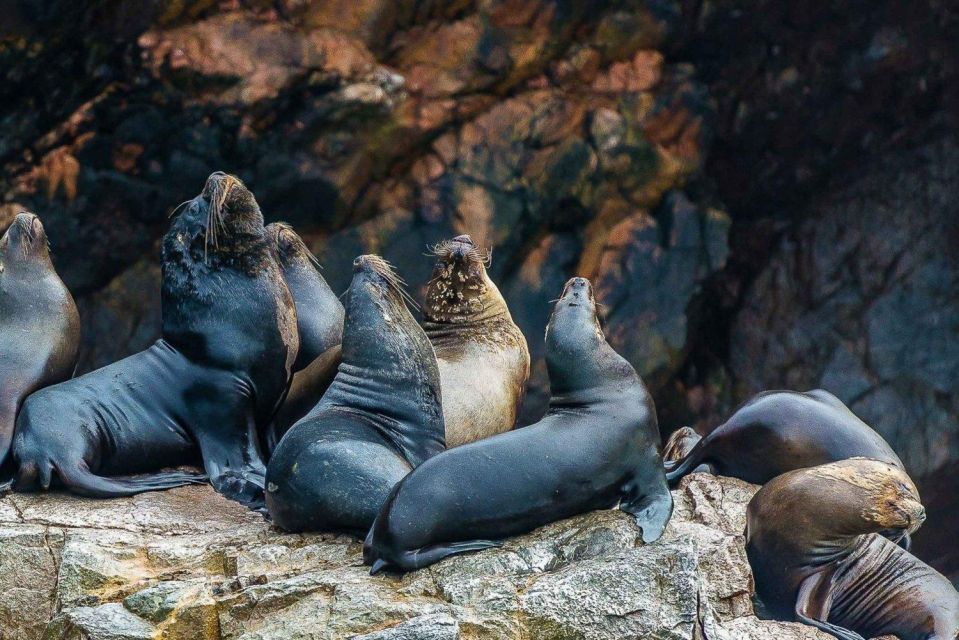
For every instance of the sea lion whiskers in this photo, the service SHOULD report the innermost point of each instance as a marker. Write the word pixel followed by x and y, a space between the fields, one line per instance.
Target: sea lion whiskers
pixel 177 208
pixel 217 190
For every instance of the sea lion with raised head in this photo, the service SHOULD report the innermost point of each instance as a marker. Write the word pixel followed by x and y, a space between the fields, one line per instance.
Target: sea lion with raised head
pixel 201 392
pixel 779 431
pixel 812 545
pixel 482 354
pixel 381 417
pixel 319 322
pixel 597 446
pixel 39 322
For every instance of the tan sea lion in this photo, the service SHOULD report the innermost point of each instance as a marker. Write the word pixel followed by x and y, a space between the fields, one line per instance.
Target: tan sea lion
pixel 39 322
pixel 482 354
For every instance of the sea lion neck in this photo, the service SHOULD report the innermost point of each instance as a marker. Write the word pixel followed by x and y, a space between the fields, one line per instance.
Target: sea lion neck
pixel 581 364
pixel 388 370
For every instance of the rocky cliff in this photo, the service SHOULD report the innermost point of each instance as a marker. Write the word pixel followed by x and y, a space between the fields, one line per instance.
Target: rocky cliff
pixel 189 565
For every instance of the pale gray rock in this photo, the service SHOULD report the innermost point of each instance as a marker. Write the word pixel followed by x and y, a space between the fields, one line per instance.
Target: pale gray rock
pixel 189 565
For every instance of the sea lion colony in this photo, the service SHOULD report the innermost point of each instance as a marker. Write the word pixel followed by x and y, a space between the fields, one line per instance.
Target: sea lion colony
pixel 356 418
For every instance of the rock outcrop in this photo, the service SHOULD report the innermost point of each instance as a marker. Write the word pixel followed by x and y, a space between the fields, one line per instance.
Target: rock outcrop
pixel 190 565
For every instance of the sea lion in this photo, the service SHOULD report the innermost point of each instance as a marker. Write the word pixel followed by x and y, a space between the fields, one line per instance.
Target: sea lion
pixel 203 390
pixel 812 544
pixel 39 322
pixel 482 354
pixel 779 431
pixel 319 322
pixel 381 417
pixel 597 446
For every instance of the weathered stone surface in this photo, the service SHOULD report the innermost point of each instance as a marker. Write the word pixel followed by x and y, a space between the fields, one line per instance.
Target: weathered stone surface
pixel 190 565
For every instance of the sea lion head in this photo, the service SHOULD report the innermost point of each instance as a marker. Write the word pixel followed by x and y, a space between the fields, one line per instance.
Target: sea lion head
pixel 869 496
pixel 24 243
pixel 573 324
pixel 460 289
pixel 223 216
pixel 290 248
pixel 375 282
pixel 577 354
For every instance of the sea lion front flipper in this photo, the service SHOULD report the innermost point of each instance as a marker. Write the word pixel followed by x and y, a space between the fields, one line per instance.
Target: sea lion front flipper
pixel 676 469
pixel 233 461
pixel 652 512
pixel 814 602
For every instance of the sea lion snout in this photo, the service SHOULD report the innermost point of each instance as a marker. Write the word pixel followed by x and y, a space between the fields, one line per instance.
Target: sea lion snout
pixel 578 290
pixel 26 232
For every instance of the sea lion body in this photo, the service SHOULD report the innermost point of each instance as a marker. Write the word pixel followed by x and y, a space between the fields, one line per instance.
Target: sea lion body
pixel 812 543
pixel 482 355
pixel 39 322
pixel 597 446
pixel 381 416
pixel 319 322
pixel 779 431
pixel 216 377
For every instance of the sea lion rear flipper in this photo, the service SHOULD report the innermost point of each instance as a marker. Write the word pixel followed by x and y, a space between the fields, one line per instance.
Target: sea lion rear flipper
pixel 82 481
pixel 676 469
pixel 412 560
pixel 814 602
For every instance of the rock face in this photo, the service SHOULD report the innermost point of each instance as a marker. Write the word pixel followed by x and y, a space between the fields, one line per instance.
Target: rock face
pixel 861 304
pixel 188 564
pixel 861 300
pixel 558 135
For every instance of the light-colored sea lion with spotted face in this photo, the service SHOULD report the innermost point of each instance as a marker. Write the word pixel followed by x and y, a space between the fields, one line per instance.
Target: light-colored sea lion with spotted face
pixel 482 354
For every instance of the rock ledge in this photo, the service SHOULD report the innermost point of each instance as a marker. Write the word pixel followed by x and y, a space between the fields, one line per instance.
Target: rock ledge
pixel 187 564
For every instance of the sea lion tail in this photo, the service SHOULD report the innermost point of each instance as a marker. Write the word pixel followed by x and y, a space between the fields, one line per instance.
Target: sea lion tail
pixel 677 469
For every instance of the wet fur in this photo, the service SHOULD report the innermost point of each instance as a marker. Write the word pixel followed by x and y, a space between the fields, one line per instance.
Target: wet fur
pixel 381 416
pixel 39 323
pixel 216 377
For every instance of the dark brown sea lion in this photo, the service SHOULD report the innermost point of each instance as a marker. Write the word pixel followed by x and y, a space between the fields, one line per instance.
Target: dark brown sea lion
pixel 482 354
pixel 203 390
pixel 381 417
pixel 812 544
pixel 319 321
pixel 39 323
pixel 597 446
pixel 779 431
